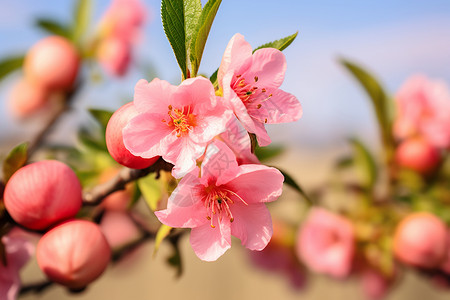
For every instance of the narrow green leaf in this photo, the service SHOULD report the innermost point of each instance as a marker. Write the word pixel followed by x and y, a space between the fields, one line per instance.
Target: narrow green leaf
pixel 364 160
pixel 16 159
pixel 162 233
pixel 53 27
pixel 292 183
pixel 101 116
pixel 172 15
pixel 280 44
pixel 344 163
pixel 10 64
pixel 192 12
pixel 82 18
pixel 88 140
pixel 151 190
pixel 199 39
pixel 213 78
pixel 380 100
pixel 268 152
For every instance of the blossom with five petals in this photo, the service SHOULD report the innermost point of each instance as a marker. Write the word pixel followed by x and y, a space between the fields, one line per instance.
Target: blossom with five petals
pixel 175 122
pixel 226 200
pixel 250 85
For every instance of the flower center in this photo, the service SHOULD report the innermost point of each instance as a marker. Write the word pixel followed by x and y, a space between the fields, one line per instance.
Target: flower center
pixel 181 120
pixel 251 95
pixel 218 202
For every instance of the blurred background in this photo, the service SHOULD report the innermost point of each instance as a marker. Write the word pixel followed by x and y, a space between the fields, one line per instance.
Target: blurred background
pixel 393 39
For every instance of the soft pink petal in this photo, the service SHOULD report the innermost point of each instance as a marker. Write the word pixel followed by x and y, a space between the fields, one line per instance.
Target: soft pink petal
pixel 252 225
pixel 261 134
pixel 153 97
pixel 282 107
pixel 118 228
pixel 237 139
pixel 211 243
pixel 185 208
pixel 147 136
pixel 269 65
pixel 183 154
pixel 197 92
pixel 219 162
pixel 257 183
pixel 237 55
pixel 210 125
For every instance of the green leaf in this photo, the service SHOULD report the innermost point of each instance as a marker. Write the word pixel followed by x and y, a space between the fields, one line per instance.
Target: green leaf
pixel 151 190
pixel 16 159
pixel 344 163
pixel 199 39
pixel 292 183
pixel 268 152
pixel 213 78
pixel 53 27
pixel 81 20
pixel 88 140
pixel 175 259
pixel 380 101
pixel 101 116
pixel 192 12
pixel 280 44
pixel 10 64
pixel 172 15
pixel 162 233
pixel 364 160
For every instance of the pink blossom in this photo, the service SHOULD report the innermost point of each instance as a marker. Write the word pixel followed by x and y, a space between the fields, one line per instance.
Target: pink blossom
pixel 226 200
pixel 250 85
pixel 375 285
pixel 417 154
pixel 18 251
pixel 115 55
pixel 326 243
pixel 423 108
pixel 119 229
pixel 175 122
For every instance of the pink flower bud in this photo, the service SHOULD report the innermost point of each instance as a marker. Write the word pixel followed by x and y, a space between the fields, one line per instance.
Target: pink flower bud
pixel 27 98
pixel 115 55
pixel 326 243
pixel 418 155
pixel 114 139
pixel 43 193
pixel 74 253
pixel 119 229
pixel 52 63
pixel 421 240
pixel 375 285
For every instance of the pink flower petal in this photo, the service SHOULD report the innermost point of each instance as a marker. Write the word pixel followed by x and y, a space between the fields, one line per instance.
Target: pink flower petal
pixel 219 163
pixel 269 65
pixel 197 92
pixel 252 225
pixel 257 183
pixel 237 54
pixel 210 243
pixel 147 136
pixel 153 97
pixel 282 107
pixel 184 208
pixel 183 154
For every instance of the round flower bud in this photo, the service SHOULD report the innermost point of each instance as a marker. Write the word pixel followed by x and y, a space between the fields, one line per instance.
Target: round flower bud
pixel 421 240
pixel 27 98
pixel 43 193
pixel 114 139
pixel 418 155
pixel 52 63
pixel 74 253
pixel 115 55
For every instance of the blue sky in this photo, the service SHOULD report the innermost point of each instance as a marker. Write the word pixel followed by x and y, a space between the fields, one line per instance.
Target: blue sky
pixel 393 39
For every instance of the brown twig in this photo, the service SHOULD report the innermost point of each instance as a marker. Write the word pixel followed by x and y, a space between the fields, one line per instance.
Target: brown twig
pixel 126 175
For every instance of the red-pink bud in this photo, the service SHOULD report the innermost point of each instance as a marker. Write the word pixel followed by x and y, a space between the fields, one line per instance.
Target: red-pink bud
pixel 26 98
pixel 43 193
pixel 418 155
pixel 114 54
pixel 74 253
pixel 52 63
pixel 421 240
pixel 114 139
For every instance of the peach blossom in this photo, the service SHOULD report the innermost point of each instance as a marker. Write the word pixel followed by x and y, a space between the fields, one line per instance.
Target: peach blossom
pixel 43 193
pixel 115 55
pixel 326 243
pixel 250 83
pixel 74 253
pixel 226 200
pixel 420 240
pixel 417 154
pixel 114 139
pixel 52 63
pixel 27 98
pixel 423 108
